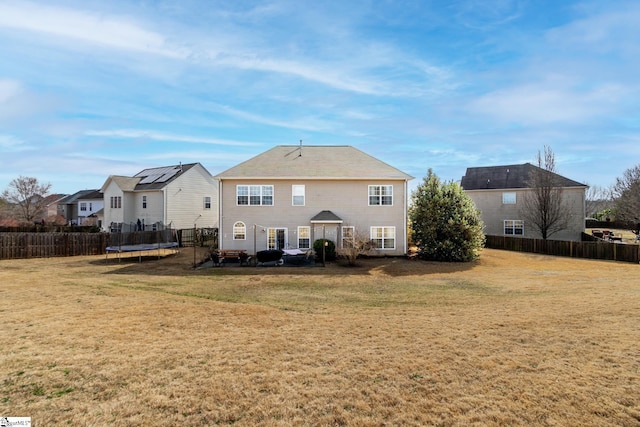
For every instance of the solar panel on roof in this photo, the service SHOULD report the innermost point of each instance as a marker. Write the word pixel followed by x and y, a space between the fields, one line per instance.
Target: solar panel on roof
pixel 164 174
pixel 167 176
pixel 149 179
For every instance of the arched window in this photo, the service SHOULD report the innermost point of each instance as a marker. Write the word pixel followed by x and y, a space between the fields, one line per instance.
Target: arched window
pixel 239 231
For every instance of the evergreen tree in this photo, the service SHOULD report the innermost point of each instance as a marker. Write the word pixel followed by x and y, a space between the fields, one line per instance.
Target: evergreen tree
pixel 445 223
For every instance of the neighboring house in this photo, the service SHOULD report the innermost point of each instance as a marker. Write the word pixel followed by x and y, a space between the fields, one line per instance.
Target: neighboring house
pixel 180 196
pixel 498 193
pixel 290 196
pixel 80 207
pixel 54 207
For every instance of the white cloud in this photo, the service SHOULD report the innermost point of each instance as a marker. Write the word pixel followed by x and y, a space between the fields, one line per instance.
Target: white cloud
pixel 18 103
pixel 11 143
pixel 159 136
pixel 9 89
pixel 92 28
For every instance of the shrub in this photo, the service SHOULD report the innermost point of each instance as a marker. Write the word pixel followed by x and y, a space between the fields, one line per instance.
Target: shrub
pixel 445 223
pixel 329 248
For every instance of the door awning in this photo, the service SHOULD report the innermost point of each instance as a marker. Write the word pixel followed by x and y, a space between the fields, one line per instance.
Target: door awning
pixel 326 217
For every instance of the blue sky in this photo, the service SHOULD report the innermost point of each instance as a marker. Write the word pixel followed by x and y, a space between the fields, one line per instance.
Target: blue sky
pixel 94 88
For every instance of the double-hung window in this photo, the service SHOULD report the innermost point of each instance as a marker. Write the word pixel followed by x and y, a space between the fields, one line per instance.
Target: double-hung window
pixel 239 231
pixel 513 227
pixel 508 198
pixel 383 237
pixel 304 237
pixel 144 202
pixel 348 236
pixel 254 195
pixel 380 195
pixel 207 202
pixel 297 195
pixel 83 206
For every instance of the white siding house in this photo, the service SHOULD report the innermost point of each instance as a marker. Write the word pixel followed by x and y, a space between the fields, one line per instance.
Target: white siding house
pixel 182 196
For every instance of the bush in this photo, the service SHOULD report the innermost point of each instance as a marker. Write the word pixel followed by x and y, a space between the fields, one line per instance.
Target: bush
pixel 329 248
pixel 445 223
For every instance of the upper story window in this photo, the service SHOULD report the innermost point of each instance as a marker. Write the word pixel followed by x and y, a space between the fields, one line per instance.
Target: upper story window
pixel 380 195
pixel 116 202
pixel 83 206
pixel 254 195
pixel 297 195
pixel 239 231
pixel 207 202
pixel 508 198
pixel 144 202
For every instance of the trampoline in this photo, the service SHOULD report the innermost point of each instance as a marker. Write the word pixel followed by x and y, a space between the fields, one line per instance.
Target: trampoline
pixel 141 242
pixel 140 248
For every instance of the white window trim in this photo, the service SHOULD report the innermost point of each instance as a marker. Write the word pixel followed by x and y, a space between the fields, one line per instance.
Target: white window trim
pixel 513 227
pixel 308 229
pixel 383 227
pixel 380 196
pixel 242 227
pixel 506 198
pixel 294 195
pixel 262 195
pixel 353 234
pixel 205 200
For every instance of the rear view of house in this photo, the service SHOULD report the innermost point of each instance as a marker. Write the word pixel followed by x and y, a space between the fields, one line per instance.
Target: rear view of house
pixel 290 196
pixel 182 196
pixel 499 192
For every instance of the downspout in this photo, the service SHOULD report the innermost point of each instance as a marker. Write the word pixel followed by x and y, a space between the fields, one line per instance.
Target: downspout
pixel 164 197
pixel 220 220
pixel 406 231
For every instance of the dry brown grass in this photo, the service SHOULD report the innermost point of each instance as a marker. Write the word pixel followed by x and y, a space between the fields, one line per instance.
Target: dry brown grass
pixel 511 339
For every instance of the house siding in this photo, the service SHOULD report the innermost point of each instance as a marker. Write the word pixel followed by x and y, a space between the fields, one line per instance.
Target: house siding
pixel 154 211
pixel 348 199
pixel 112 215
pixel 185 200
pixel 494 212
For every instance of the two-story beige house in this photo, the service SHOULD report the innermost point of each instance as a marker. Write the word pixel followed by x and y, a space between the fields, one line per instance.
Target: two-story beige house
pixel 498 192
pixel 290 196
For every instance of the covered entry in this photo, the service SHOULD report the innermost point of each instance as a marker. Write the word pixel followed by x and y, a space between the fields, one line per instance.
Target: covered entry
pixel 326 225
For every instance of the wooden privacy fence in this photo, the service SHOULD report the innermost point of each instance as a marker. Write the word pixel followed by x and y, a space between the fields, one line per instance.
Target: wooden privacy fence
pixel 42 245
pixel 591 250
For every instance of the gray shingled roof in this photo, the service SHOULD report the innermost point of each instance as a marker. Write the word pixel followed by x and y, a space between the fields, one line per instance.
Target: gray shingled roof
pixel 326 216
pixel 163 175
pixel 313 162
pixel 158 178
pixel 81 195
pixel 508 176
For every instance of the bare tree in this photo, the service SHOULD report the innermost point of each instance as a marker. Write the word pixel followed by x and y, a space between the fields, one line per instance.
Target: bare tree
pixel 626 195
pixel 355 244
pixel 543 206
pixel 28 195
pixel 597 200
